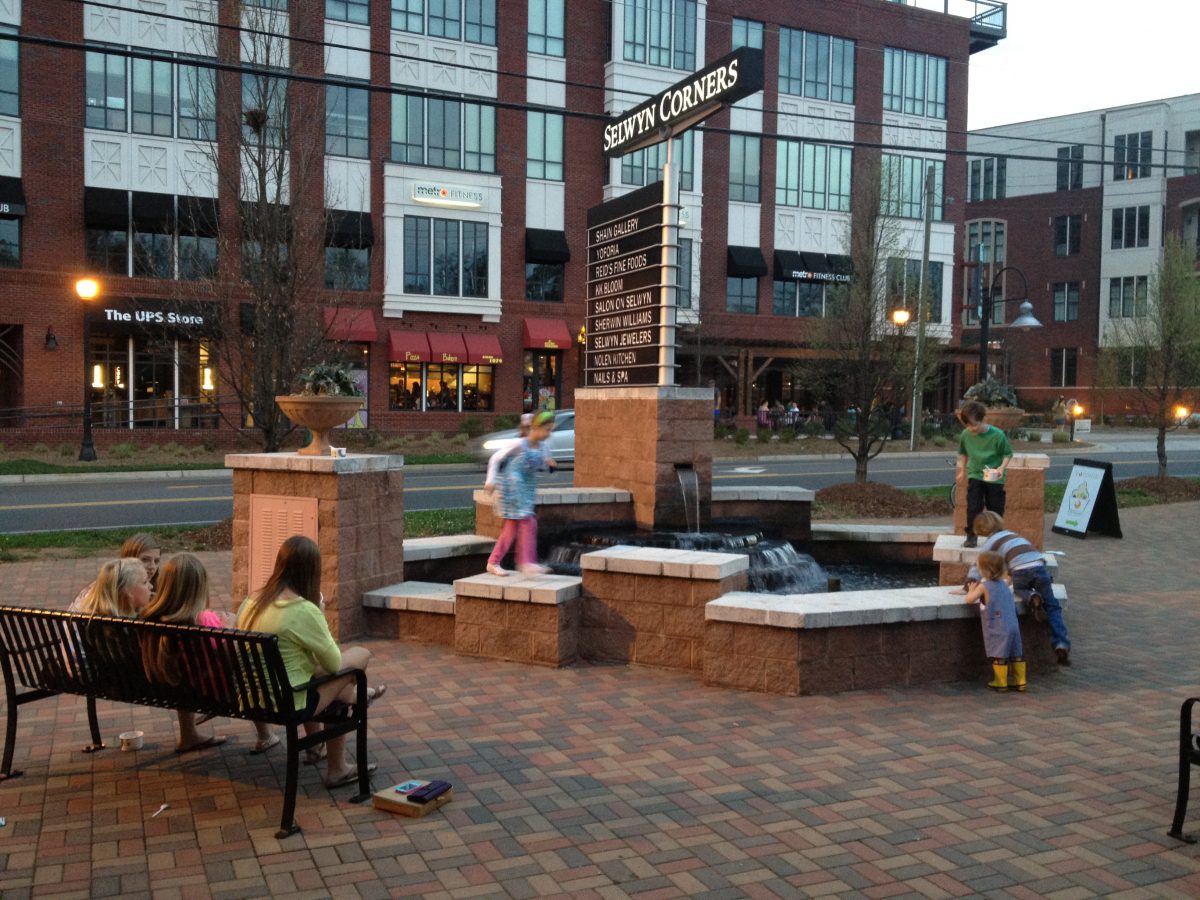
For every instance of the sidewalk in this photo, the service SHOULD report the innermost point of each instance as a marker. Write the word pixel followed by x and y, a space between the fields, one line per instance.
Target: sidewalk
pixel 612 781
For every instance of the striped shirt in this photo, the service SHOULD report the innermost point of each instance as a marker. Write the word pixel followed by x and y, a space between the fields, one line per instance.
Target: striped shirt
pixel 1018 553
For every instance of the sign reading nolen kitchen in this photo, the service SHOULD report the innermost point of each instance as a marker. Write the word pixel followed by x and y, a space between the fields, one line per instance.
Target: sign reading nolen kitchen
pixel 731 78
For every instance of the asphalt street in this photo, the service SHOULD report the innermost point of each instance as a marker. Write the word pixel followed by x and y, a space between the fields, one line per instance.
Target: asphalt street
pixel 51 503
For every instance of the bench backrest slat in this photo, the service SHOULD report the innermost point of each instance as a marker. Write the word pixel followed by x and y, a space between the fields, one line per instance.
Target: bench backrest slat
pixel 222 671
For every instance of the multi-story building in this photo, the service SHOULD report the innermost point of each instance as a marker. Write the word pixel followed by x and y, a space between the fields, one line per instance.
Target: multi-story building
pixel 1076 208
pixel 462 148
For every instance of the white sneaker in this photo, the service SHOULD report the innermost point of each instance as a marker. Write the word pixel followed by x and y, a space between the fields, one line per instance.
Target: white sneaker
pixel 496 570
pixel 533 569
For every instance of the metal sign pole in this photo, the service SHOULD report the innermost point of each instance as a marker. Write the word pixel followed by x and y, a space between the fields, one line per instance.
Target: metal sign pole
pixel 670 269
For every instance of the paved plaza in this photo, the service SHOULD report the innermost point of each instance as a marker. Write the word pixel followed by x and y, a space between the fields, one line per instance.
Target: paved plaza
pixel 611 781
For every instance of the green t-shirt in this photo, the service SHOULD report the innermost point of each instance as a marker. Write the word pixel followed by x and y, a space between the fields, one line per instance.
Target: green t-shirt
pixel 987 450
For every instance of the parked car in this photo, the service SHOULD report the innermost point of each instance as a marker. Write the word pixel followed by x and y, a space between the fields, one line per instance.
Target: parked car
pixel 561 442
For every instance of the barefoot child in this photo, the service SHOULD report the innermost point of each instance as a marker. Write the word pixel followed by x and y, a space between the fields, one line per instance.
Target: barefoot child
pixel 998 613
pixel 518 492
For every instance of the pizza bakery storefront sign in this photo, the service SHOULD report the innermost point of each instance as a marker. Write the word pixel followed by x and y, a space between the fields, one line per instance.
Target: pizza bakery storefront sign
pixel 687 102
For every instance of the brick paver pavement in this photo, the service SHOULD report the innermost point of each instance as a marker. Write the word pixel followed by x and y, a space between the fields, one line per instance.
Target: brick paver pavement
pixel 608 781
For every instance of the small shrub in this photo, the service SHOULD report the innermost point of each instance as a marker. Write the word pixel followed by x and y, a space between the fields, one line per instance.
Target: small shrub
pixel 1035 437
pixel 209 445
pixel 788 435
pixel 722 430
pixel 939 440
pixel 1060 437
pixel 472 426
pixel 170 448
pixel 1142 422
pixel 123 450
pixel 742 437
pixel 508 420
pixel 65 449
pixel 39 447
pixel 814 428
pixel 763 435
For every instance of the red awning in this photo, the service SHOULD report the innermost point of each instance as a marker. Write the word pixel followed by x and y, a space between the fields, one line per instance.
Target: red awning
pixel 348 324
pixel 483 349
pixel 408 346
pixel 547 334
pixel 447 348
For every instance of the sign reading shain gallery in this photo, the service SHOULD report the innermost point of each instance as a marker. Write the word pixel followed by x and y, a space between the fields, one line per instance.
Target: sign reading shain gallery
pixel 686 103
pixel 624 290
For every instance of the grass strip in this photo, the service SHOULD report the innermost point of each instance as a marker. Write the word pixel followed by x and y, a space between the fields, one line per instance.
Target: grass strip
pixel 37 467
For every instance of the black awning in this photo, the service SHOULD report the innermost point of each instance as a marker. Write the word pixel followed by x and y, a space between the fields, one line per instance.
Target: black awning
pixel 746 262
pixel 105 208
pixel 349 229
pixel 12 197
pixel 543 246
pixel 199 216
pixel 267 221
pixel 153 212
pixel 841 265
pixel 788 265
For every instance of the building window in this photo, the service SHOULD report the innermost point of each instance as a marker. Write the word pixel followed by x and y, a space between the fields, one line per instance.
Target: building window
pixel 104 84
pixel 481 22
pixel 544 281
pixel 1066 301
pixel 914 83
pixel 447 19
pixel 347 268
pixel 1064 364
pixel 661 33
pixel 152 97
pixel 10 243
pixel 448 134
pixel 683 295
pixel 10 75
pixel 445 257
pixel 408 15
pixel 805 299
pixel 1128 297
pixel 1066 235
pixel 108 250
pixel 354 11
pixel 197 257
pixel 1070 168
pixel 741 295
pixel 815 176
pixel 541 380
pixel 989 179
pixel 744 168
pixel 747 33
pixel 1130 227
pixel 1132 155
pixel 346 121
pixel 153 235
pixel 544 140
pixel 1191 153
pixel 903 187
pixel 197 103
pixel 404 386
pixel 904 286
pixel 986 246
pixel 645 166
pixel 816 65
pixel 547 27
pixel 264 109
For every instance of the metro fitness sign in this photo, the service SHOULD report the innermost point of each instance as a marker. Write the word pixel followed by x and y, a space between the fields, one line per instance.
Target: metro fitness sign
pixel 686 103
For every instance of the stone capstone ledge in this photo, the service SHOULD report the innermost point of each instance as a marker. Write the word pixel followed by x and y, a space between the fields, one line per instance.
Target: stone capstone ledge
pixel 847 608
pixel 949 549
pixel 323 465
pixel 413 596
pixel 564 496
pixel 765 494
pixel 549 590
pixel 694 565
pixel 446 546
pixel 1030 461
pixel 880 534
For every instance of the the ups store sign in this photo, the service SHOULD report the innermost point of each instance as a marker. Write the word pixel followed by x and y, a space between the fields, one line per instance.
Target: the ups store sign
pixel 157 318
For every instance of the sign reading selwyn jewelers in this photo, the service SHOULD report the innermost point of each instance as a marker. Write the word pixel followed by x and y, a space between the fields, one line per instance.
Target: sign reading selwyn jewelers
pixel 624 290
pixel 683 105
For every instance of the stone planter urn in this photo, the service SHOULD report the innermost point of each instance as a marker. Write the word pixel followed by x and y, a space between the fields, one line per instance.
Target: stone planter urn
pixel 318 413
pixel 1006 418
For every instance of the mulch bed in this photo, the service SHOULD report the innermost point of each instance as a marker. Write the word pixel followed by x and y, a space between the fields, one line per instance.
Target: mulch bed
pixel 1165 490
pixel 210 537
pixel 875 500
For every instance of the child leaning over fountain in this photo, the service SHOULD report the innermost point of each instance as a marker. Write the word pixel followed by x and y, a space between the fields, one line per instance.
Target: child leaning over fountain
pixel 518 492
pixel 998 614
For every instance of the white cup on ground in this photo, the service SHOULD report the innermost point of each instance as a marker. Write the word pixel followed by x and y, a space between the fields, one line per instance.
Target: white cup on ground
pixel 131 740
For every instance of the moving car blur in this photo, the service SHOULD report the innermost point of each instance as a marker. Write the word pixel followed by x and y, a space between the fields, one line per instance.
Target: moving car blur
pixel 561 442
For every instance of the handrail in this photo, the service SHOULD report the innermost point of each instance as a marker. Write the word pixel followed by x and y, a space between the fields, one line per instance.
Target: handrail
pixel 990 14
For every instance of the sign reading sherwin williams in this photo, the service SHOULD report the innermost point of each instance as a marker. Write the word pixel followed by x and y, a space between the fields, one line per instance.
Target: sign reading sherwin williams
pixel 624 290
pixel 686 103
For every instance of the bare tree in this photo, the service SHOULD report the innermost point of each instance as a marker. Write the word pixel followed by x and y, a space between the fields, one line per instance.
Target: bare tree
pixel 270 159
pixel 861 360
pixel 1156 351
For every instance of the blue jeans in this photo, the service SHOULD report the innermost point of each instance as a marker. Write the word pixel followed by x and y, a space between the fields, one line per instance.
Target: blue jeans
pixel 1036 578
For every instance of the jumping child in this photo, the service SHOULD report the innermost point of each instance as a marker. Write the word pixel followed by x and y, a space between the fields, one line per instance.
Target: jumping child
pixel 518 492
pixel 998 615
pixel 983 454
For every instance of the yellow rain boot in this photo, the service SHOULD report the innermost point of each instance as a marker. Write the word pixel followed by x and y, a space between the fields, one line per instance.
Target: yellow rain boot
pixel 1018 668
pixel 1000 682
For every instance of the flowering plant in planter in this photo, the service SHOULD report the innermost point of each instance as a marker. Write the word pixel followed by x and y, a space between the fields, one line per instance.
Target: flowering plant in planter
pixel 328 398
pixel 332 379
pixel 992 393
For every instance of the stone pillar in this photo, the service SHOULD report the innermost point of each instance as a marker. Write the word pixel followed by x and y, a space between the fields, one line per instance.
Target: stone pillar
pixel 1024 499
pixel 635 439
pixel 357 522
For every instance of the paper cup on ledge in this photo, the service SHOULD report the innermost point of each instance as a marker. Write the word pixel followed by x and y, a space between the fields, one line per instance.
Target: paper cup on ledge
pixel 131 740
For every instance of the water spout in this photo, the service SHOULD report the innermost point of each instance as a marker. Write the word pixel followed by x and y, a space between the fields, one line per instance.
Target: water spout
pixel 689 488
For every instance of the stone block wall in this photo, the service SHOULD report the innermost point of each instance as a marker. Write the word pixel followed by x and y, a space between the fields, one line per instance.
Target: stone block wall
pixel 646 605
pixel 560 509
pixel 360 523
pixel 636 438
pixel 1025 498
pixel 784 512
pixel 531 620
pixel 409 625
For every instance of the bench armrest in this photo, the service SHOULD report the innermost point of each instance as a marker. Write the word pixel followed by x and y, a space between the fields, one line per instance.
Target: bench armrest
pixel 360 683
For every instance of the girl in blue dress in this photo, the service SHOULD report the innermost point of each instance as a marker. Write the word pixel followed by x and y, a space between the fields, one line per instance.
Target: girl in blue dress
pixel 998 613
pixel 518 492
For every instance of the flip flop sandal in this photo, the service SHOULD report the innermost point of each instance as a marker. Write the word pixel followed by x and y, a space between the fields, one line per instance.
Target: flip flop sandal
pixel 210 741
pixel 264 746
pixel 350 777
pixel 314 755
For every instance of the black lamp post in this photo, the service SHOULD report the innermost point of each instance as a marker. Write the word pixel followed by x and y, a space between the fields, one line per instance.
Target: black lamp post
pixel 87 289
pixel 1024 320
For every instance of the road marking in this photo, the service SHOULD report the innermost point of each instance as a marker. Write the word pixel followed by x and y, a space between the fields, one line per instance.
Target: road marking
pixel 750 470
pixel 150 502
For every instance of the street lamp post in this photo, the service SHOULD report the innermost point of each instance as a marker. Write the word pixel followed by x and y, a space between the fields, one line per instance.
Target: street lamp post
pixel 87 289
pixel 1024 320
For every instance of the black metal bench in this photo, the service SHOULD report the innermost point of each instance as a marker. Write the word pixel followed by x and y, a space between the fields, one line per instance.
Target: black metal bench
pixel 1189 755
pixel 222 673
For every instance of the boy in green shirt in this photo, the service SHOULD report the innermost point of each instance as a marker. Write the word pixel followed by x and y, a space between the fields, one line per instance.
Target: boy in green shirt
pixel 983 455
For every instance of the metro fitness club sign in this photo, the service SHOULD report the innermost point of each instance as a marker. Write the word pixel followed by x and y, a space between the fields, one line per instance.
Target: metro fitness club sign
pixel 687 102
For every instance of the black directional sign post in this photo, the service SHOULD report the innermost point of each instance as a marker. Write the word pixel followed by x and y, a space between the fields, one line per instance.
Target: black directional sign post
pixel 624 290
